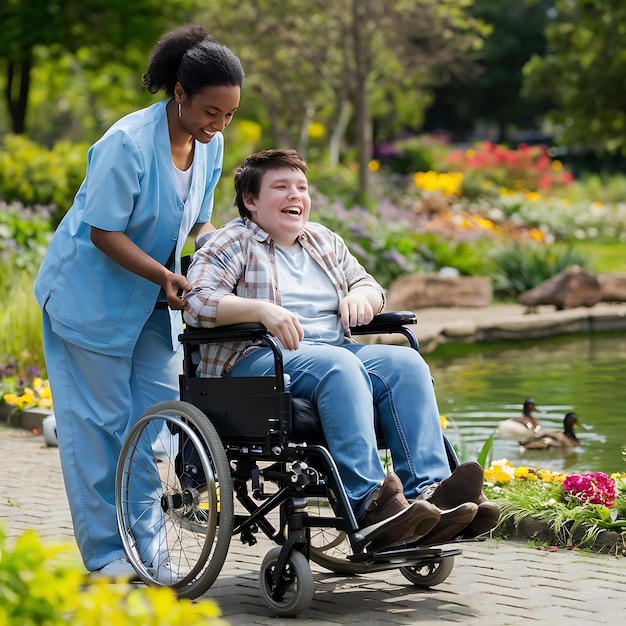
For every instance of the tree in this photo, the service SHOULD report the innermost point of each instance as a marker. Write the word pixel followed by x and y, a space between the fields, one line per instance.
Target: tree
pixel 108 27
pixel 492 92
pixel 584 73
pixel 334 59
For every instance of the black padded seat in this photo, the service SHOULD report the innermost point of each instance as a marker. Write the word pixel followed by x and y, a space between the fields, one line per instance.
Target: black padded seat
pixel 305 422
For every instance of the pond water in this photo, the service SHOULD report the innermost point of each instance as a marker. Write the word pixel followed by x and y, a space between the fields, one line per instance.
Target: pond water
pixel 479 385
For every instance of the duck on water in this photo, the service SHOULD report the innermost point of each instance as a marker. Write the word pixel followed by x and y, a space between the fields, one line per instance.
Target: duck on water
pixel 545 440
pixel 523 427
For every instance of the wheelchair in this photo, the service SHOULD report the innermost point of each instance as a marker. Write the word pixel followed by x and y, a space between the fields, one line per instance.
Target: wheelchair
pixel 241 456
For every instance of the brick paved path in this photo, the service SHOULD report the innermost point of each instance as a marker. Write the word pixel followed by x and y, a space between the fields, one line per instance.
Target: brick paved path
pixel 492 584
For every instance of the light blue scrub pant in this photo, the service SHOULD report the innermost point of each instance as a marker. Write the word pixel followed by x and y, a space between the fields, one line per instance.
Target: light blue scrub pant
pixel 97 399
pixel 347 383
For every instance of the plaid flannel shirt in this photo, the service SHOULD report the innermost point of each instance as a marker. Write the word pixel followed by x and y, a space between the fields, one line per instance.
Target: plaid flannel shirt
pixel 240 258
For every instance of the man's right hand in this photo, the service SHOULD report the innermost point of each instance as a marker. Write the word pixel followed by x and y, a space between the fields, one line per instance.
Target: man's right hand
pixel 282 324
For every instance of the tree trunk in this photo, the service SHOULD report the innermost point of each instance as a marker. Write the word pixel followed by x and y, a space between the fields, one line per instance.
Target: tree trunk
pixel 364 140
pixel 362 68
pixel 502 131
pixel 277 130
pixel 16 92
pixel 308 114
pixel 338 132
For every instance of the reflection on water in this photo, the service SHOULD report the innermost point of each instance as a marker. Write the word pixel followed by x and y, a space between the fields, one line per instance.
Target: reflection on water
pixel 477 386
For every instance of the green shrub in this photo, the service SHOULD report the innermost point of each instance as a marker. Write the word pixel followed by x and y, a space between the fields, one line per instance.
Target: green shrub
pixel 413 154
pixel 381 240
pixel 597 188
pixel 469 258
pixel 37 588
pixel 24 237
pixel 35 175
pixel 20 321
pixel 519 267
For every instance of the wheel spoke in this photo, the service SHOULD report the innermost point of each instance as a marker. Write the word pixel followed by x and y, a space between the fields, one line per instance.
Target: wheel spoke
pixel 174 498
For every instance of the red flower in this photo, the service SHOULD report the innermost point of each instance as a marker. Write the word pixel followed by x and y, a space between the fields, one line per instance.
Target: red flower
pixel 595 488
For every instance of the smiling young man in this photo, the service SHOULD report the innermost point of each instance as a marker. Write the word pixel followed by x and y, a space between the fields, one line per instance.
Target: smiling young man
pixel 299 279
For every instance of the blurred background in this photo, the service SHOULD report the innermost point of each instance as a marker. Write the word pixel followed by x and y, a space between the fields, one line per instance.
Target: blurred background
pixel 481 135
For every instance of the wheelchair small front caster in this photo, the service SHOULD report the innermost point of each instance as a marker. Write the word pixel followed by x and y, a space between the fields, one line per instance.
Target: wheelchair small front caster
pixel 294 590
pixel 429 574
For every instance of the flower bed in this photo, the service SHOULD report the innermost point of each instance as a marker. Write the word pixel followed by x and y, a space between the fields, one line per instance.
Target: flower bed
pixel 582 510
pixel 24 399
pixel 39 585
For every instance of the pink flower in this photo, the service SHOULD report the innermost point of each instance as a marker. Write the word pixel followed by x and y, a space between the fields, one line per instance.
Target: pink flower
pixel 595 488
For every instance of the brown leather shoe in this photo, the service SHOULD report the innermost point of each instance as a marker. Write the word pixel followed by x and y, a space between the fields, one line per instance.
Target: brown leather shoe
pixel 386 501
pixel 464 485
pixel 487 518
pixel 452 522
pixel 389 519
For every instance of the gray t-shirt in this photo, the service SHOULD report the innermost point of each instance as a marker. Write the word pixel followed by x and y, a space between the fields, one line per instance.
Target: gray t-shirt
pixel 306 290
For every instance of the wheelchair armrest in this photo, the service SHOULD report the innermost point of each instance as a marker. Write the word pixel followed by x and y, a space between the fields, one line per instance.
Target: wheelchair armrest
pixel 382 323
pixel 230 332
pixel 386 323
pixel 253 331
pixel 393 322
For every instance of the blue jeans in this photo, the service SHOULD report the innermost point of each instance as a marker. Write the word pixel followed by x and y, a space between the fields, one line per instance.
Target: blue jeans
pixel 353 385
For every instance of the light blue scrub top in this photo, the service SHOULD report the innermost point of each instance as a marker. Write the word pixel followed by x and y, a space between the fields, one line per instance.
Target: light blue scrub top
pixel 129 186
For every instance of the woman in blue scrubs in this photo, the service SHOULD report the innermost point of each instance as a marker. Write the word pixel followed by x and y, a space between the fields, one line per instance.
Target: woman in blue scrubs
pixel 110 284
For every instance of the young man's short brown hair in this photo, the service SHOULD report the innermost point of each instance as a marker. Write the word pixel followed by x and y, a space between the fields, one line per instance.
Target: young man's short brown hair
pixel 249 174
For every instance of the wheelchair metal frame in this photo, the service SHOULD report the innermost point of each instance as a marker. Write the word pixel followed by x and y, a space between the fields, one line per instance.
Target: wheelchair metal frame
pixel 232 437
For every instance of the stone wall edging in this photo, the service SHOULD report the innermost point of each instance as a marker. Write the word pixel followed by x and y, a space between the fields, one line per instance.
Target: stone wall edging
pixel 487 328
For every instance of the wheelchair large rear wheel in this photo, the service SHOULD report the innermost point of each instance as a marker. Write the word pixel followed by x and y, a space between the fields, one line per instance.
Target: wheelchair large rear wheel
pixel 329 547
pixel 174 499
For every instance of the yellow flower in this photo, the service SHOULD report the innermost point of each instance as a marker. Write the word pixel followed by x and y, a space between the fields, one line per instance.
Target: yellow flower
pixel 521 472
pixel 44 392
pixel 448 183
pixel 374 165
pixel 484 223
pixel 45 403
pixel 501 471
pixel 546 475
pixel 497 475
pixel 532 196
pixel 248 132
pixel 10 398
pixel 37 395
pixel 316 130
pixel 443 421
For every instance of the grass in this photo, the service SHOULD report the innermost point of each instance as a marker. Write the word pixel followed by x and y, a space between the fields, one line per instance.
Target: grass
pixel 569 523
pixel 603 256
pixel 20 324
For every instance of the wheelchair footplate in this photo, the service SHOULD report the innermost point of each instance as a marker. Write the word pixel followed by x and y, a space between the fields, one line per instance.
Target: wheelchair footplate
pixel 392 558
